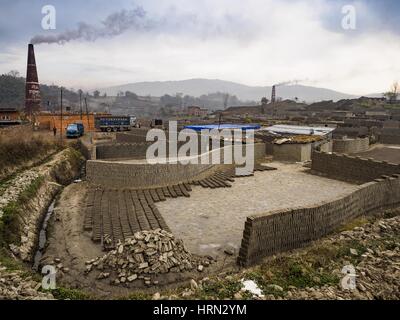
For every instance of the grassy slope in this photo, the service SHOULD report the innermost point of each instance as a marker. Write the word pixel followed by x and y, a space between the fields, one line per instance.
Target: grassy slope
pixel 26 147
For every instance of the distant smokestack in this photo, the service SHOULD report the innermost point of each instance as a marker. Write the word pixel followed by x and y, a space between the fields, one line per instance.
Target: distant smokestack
pixel 32 89
pixel 273 95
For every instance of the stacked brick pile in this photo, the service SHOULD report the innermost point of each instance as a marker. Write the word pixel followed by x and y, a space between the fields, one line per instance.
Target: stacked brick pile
pixel 143 256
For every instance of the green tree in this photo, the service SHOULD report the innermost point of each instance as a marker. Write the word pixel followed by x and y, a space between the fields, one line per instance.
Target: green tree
pixel 131 95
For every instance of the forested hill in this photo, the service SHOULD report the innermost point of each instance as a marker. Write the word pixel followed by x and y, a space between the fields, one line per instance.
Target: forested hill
pixel 12 93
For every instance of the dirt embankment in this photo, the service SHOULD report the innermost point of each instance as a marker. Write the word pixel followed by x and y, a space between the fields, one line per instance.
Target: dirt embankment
pixel 25 198
pixel 22 148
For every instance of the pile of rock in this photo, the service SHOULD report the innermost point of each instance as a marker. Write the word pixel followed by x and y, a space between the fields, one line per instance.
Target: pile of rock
pixel 13 286
pixel 143 256
pixel 14 188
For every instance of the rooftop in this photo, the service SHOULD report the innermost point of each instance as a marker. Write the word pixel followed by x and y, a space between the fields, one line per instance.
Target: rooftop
pixel 298 130
pixel 3 110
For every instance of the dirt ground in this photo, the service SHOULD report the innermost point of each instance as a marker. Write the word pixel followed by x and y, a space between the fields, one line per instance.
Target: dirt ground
pixel 68 242
pixel 211 221
pixel 390 153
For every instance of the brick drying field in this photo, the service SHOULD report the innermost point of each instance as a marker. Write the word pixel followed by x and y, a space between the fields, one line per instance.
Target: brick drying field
pixel 116 214
pixel 212 221
pixel 390 153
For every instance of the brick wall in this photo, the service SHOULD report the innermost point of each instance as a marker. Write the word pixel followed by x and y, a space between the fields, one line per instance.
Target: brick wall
pixel 278 231
pixel 369 123
pixel 390 136
pixel 124 175
pixel 136 175
pixel 326 147
pixel 122 150
pixel 350 145
pixel 353 132
pixel 269 148
pixel 48 121
pixel 134 136
pixel 138 150
pixel 259 151
pixel 391 124
pixel 88 150
pixel 387 139
pixel 127 150
pixel 293 152
pixel 349 168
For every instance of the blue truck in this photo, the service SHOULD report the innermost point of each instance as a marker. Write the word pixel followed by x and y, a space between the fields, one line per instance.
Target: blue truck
pixel 115 123
pixel 75 130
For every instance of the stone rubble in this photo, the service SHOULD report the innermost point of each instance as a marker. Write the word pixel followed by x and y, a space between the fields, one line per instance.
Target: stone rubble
pixel 193 285
pixel 378 272
pixel 144 256
pixel 11 191
pixel 13 286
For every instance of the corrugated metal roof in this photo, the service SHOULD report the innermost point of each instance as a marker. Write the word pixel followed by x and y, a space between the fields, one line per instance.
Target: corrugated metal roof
pixel 303 130
pixel 224 126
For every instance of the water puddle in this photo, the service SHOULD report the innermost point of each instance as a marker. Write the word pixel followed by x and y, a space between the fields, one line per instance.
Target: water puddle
pixel 43 237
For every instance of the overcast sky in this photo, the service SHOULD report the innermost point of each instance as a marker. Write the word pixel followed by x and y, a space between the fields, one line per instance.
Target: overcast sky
pixel 254 42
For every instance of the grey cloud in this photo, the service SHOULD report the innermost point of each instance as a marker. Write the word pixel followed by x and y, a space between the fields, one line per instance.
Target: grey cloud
pixel 115 24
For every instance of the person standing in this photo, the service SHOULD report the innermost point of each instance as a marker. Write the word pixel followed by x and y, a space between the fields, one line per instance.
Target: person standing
pixel 54 131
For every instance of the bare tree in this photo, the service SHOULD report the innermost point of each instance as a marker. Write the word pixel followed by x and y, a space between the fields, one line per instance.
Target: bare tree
pixel 14 73
pixel 393 93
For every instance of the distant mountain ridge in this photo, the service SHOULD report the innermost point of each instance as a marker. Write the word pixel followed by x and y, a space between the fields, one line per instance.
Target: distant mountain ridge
pixel 198 87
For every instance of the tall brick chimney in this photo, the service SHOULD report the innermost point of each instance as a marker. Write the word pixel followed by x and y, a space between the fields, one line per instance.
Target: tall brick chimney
pixel 273 95
pixel 32 89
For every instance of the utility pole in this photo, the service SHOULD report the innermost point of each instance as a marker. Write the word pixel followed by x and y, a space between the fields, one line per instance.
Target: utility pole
pixel 61 116
pixel 80 102
pixel 87 114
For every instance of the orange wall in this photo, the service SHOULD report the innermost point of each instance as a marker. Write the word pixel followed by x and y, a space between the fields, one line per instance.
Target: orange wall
pixel 9 115
pixel 49 121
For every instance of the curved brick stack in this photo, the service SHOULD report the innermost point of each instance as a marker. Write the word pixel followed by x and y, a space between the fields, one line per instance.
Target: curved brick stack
pixel 278 231
pixel 116 214
pixel 350 168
